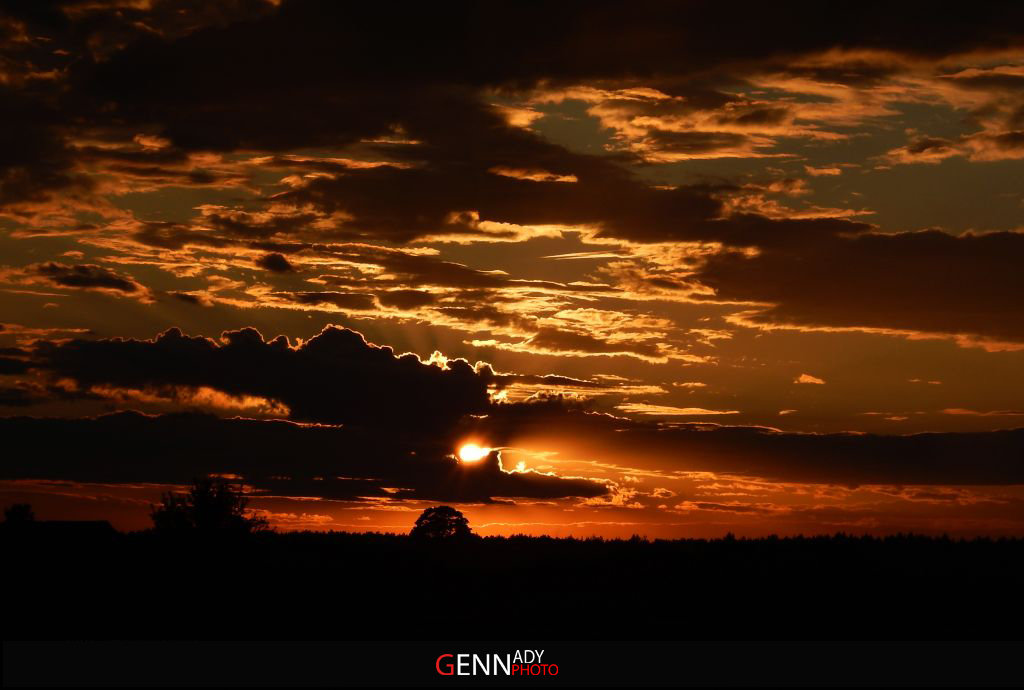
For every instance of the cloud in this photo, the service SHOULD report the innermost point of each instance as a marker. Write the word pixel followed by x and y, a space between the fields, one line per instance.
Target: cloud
pixel 406 299
pixel 818 172
pixel 276 458
pixel 977 458
pixel 733 507
pixel 669 411
pixel 981 146
pixel 807 378
pixel 334 377
pixel 342 300
pixel 883 282
pixel 441 164
pixel 924 150
pixel 986 413
pixel 376 267
pixel 413 149
pixel 163 87
pixel 77 277
pixel 189 298
pixel 86 276
pixel 576 343
pixel 275 262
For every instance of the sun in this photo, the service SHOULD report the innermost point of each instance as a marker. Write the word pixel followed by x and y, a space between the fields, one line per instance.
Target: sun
pixel 471 452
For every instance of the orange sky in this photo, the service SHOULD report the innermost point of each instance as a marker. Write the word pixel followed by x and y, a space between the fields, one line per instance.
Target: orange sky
pixel 692 270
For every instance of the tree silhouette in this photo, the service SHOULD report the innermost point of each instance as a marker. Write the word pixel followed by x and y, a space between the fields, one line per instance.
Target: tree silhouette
pixel 211 505
pixel 19 514
pixel 441 522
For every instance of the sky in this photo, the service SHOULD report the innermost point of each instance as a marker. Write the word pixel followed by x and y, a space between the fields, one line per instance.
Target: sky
pixel 687 268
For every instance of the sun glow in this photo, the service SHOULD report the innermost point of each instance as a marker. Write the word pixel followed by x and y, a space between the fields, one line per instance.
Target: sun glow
pixel 471 452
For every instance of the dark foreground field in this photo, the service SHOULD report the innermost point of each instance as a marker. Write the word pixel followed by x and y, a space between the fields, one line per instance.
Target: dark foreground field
pixel 368 586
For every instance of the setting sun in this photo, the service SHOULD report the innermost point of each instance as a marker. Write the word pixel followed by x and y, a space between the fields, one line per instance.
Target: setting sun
pixel 471 452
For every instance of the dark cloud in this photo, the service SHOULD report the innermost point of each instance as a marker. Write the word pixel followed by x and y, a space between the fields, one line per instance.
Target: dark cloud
pixel 972 282
pixel 189 298
pixel 409 269
pixel 982 458
pixel 343 300
pixel 619 205
pixel 484 313
pixel 305 131
pixel 553 339
pixel 275 262
pixel 237 223
pixel 214 85
pixel 86 276
pixel 426 47
pixel 757 116
pixel 990 81
pixel 14 396
pixel 546 380
pixel 334 377
pixel 175 236
pixel 249 75
pixel 406 299
pixel 981 146
pixel 404 268
pixel 693 142
pixel 929 145
pixel 9 365
pixel 1008 141
pixel 275 457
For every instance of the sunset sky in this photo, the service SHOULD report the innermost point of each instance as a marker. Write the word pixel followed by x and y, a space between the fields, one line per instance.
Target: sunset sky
pixel 692 267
